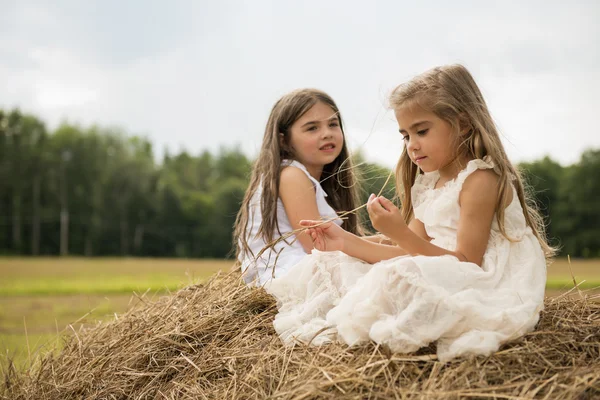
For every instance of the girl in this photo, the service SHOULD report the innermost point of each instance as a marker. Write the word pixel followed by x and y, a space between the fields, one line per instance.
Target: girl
pixel 303 171
pixel 468 267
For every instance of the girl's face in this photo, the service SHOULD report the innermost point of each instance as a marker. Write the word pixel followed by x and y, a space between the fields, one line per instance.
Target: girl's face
pixel 430 141
pixel 316 138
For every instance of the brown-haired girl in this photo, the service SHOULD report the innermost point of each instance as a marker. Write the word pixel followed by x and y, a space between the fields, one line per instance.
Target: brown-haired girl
pixel 303 171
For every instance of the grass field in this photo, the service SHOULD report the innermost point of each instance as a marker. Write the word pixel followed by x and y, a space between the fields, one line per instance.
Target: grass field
pixel 42 299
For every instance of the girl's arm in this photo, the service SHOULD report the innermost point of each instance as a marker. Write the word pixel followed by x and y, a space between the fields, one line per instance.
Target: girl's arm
pixel 375 252
pixel 298 196
pixel 330 237
pixel 477 207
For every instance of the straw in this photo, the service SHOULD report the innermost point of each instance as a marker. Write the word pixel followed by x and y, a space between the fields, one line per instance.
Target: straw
pixel 216 341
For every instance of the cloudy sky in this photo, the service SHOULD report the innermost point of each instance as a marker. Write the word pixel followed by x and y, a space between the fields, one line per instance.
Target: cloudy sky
pixel 196 75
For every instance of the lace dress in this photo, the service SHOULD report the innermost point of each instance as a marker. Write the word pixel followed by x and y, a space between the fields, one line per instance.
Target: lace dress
pixel 407 302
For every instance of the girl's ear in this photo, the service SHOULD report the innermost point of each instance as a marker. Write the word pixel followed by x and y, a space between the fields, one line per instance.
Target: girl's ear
pixel 283 145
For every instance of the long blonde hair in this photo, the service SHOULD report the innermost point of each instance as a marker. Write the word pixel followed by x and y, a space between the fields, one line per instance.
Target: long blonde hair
pixel 450 92
pixel 337 178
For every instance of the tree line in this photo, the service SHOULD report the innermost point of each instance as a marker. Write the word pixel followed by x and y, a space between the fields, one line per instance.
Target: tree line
pixel 97 191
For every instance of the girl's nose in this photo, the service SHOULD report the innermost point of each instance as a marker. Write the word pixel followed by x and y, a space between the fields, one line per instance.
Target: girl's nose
pixel 412 145
pixel 327 132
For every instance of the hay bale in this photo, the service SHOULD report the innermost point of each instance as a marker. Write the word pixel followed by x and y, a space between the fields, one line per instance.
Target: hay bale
pixel 216 341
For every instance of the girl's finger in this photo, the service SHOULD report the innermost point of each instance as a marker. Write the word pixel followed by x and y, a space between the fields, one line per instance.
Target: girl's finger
pixel 372 201
pixel 309 222
pixel 315 224
pixel 385 203
pixel 376 206
pixel 369 210
pixel 371 197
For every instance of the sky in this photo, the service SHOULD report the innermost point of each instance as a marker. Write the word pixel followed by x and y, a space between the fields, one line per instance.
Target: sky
pixel 203 75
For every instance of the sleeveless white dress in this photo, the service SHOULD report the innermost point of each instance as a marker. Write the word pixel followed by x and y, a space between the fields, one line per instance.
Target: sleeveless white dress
pixel 407 302
pixel 276 261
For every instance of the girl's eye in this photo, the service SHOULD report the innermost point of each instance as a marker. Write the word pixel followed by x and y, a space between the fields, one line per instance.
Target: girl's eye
pixel 422 132
pixel 312 128
pixel 405 138
pixel 333 124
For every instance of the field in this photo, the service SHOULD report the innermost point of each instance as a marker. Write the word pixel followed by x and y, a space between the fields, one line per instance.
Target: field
pixel 42 299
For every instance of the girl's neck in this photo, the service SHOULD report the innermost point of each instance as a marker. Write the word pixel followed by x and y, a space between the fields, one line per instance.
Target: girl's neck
pixel 313 170
pixel 451 170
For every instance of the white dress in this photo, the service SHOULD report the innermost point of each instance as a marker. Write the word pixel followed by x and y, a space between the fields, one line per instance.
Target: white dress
pixel 276 261
pixel 407 302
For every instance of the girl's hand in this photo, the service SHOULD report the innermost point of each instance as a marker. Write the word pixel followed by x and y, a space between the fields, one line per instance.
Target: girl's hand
pixel 325 236
pixel 386 217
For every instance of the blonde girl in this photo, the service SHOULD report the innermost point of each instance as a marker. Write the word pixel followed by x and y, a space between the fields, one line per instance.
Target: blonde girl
pixel 468 265
pixel 303 171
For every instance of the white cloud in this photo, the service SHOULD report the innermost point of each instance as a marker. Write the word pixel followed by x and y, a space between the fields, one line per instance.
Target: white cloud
pixel 200 75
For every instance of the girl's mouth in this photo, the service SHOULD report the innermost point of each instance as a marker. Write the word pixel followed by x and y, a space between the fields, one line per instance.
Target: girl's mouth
pixel 327 147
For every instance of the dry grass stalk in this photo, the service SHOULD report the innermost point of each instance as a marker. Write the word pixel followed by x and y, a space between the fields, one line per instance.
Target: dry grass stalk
pixel 216 341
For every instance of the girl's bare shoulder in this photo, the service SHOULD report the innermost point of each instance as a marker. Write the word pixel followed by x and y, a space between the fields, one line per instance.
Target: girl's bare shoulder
pixel 481 185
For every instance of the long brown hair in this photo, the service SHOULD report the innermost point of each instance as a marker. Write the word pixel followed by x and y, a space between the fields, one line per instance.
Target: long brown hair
pixel 451 93
pixel 337 178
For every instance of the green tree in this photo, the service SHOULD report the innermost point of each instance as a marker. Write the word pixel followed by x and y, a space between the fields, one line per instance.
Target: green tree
pixel 579 220
pixel 543 179
pixel 99 191
pixel 372 178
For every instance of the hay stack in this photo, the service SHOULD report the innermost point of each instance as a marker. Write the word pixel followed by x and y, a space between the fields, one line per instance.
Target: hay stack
pixel 216 341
